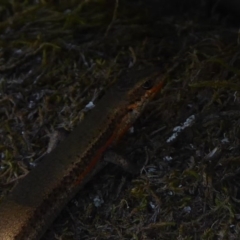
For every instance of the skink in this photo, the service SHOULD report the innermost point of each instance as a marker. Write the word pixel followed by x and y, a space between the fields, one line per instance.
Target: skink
pixel 37 199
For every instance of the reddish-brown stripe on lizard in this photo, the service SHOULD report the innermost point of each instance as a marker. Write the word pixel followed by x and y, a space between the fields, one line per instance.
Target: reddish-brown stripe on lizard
pixel 38 198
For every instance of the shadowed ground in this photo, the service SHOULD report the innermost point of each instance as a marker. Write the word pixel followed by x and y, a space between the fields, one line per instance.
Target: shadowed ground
pixel 56 54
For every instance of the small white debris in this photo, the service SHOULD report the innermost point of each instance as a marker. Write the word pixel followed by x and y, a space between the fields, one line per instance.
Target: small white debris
pixel 97 201
pixel 189 121
pixel 2 155
pixel 31 104
pixel 187 209
pixel 152 205
pixel 2 167
pixel 167 158
pixel 131 130
pixel 212 153
pixel 32 164
pixel 179 129
pixel 172 137
pixel 225 140
pixel 89 106
pixel 151 170
pixel 18 51
pixel 192 147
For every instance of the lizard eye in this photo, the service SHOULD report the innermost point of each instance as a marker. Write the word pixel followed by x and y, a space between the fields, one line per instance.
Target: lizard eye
pixel 148 84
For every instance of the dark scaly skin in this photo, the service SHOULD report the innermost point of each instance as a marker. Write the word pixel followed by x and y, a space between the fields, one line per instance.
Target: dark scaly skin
pixel 34 203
